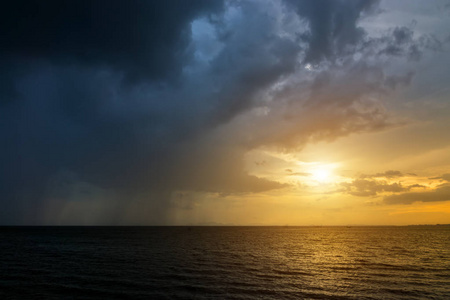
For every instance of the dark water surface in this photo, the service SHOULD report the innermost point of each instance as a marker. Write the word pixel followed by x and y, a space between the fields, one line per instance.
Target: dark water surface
pixel 225 262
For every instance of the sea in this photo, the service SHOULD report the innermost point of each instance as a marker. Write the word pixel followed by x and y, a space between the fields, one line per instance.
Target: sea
pixel 404 262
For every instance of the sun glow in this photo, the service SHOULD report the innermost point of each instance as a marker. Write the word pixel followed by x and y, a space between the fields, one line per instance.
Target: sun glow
pixel 321 175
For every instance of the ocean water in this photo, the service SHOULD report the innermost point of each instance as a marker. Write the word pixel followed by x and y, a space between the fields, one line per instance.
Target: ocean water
pixel 225 262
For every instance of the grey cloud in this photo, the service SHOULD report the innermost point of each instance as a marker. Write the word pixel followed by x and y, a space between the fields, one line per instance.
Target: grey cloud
pixel 365 188
pixel 369 187
pixel 386 174
pixel 394 81
pixel 184 200
pixel 323 108
pixel 139 38
pixel 417 186
pixel 333 26
pixel 401 42
pixel 373 184
pixel 305 174
pixel 439 194
pixel 445 177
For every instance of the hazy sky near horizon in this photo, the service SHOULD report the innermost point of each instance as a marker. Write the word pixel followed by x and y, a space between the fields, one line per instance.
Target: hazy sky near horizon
pixel 225 112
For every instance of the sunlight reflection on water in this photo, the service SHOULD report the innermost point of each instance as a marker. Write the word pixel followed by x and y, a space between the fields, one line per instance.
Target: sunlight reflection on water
pixel 227 262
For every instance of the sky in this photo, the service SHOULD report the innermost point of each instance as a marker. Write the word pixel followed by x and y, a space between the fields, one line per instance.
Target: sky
pixel 201 112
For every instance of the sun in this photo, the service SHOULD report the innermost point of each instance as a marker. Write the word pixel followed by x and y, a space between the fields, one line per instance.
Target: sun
pixel 321 174
pixel 317 173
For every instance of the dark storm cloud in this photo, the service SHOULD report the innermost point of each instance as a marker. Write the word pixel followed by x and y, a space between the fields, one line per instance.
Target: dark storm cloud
pixel 139 38
pixel 108 107
pixel 63 105
pixel 333 26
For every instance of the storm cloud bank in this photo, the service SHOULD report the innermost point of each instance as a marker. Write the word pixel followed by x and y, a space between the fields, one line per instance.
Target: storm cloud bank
pixel 108 107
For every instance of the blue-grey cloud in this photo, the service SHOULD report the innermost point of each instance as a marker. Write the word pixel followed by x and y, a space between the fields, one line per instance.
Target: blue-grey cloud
pixel 333 26
pixel 139 38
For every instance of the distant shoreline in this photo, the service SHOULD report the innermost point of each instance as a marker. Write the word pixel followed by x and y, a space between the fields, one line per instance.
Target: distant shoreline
pixel 189 226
